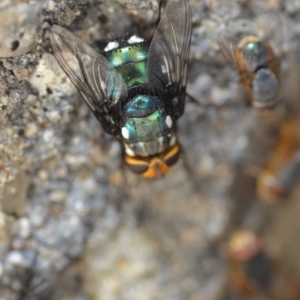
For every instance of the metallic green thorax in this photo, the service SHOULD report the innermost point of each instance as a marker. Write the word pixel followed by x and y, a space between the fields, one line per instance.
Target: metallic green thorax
pixel 130 62
pixel 258 51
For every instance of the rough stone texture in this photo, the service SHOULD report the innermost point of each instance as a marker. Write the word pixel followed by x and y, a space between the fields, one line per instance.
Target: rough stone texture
pixel 74 224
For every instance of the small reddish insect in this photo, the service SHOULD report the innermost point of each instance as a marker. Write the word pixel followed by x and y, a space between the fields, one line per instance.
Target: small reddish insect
pixel 282 170
pixel 250 270
pixel 256 55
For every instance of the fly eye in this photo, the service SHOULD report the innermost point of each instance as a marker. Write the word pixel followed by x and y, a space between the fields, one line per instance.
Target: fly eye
pixel 172 156
pixel 138 166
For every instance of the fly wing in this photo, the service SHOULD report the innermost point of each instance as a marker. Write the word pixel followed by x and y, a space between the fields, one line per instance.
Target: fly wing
pixel 101 87
pixel 228 43
pixel 269 28
pixel 169 54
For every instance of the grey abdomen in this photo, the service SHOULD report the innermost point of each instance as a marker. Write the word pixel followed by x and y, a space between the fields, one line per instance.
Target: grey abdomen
pixel 265 85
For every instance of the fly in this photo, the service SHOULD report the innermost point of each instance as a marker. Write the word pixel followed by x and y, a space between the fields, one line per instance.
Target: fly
pixel 135 89
pixel 254 56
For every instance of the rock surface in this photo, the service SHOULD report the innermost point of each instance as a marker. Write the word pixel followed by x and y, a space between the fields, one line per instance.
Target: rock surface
pixel 74 224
